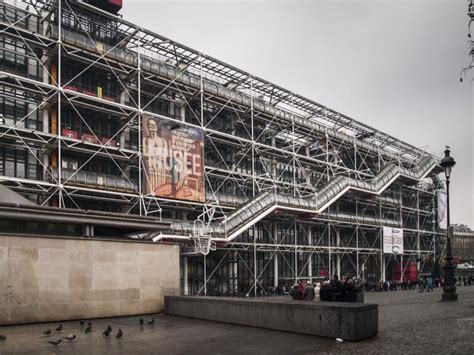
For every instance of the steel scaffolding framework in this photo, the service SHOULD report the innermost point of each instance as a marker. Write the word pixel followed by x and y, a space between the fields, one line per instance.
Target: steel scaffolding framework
pixel 68 67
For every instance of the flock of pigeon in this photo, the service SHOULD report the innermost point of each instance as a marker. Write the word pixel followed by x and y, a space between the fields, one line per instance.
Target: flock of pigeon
pixel 88 329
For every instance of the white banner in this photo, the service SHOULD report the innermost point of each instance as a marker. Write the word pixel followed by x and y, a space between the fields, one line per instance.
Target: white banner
pixel 442 216
pixel 392 240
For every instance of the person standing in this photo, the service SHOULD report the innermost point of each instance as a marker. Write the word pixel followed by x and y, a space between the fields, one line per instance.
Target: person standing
pixel 325 292
pixel 308 294
pixel 296 292
pixel 317 290
pixel 336 289
pixel 301 288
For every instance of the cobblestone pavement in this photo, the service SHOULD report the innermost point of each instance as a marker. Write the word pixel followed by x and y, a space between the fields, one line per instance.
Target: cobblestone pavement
pixel 413 322
pixel 409 322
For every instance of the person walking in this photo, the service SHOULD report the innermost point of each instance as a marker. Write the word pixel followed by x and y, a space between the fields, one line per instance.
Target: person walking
pixel 422 285
pixel 429 283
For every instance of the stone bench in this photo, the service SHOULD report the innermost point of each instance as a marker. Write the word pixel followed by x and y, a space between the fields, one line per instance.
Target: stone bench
pixel 349 321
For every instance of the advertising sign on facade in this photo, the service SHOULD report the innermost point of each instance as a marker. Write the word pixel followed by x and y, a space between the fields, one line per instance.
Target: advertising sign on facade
pixel 173 160
pixel 442 216
pixel 392 240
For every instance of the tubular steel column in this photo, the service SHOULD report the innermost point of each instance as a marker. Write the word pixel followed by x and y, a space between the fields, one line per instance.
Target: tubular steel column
pixel 418 260
pixel 185 276
pixel 140 141
pixel 254 263
pixel 382 257
pixel 310 257
pixel 357 251
pixel 338 255
pixel 45 119
pixel 252 138
pixel 293 144
pixel 401 268
pixel 205 275
pixel 275 269
pixel 296 253
pixel 201 121
pixel 59 88
pixel 235 274
pixel 275 255
pixel 329 250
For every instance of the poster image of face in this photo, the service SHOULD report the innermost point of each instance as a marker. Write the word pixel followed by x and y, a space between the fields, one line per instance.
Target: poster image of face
pixel 173 160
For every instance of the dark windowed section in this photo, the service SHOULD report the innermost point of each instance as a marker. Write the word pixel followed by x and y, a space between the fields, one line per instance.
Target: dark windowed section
pixel 18 163
pixel 90 82
pixel 17 58
pixel 98 128
pixel 17 111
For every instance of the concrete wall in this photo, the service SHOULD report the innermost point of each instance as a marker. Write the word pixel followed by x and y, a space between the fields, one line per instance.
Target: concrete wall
pixel 46 279
pixel 349 321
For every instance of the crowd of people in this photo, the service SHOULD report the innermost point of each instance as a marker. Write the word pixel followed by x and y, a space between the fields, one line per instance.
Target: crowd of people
pixel 333 290
pixel 346 289
pixel 426 283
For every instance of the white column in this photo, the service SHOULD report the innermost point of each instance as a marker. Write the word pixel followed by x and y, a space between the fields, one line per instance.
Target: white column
pixel 402 269
pixel 275 269
pixel 275 256
pixel 296 253
pixel 182 111
pixel 123 98
pixel 185 276
pixel 357 252
pixel 205 276
pixel 382 259
pixel 45 164
pixel 236 278
pixel 329 251
pixel 418 263
pixel 338 255
pixel 255 269
pixel 383 266
pixel 310 258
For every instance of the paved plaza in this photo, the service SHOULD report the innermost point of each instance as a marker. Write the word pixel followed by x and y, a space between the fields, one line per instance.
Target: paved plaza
pixel 409 322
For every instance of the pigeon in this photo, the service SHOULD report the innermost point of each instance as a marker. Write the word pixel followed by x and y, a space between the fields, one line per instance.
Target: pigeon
pixel 59 328
pixel 151 321
pixel 107 331
pixel 141 321
pixel 88 328
pixel 119 334
pixel 55 342
pixel 70 337
pixel 48 332
pixel 3 337
pixel 82 322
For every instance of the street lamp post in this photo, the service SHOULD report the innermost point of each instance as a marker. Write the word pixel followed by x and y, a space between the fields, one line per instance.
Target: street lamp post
pixel 449 286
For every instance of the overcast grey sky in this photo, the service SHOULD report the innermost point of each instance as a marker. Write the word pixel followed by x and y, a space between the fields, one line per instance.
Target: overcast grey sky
pixel 391 64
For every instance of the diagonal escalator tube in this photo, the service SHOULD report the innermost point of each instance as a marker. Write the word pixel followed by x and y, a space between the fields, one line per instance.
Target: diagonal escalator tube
pixel 257 208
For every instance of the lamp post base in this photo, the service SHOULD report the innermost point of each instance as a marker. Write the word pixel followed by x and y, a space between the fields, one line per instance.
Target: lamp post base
pixel 449 295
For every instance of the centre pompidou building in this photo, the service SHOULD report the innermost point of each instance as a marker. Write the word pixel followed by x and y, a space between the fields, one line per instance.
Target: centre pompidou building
pixel 118 132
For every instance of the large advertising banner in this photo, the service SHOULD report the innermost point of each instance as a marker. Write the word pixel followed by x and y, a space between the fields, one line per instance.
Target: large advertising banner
pixel 173 160
pixel 392 240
